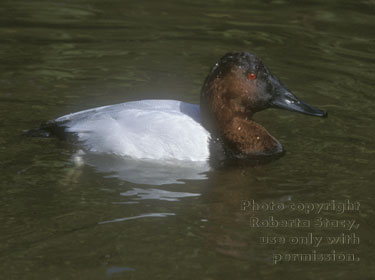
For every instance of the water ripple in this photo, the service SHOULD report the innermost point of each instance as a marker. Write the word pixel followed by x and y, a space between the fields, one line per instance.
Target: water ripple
pixel 157 194
pixel 157 215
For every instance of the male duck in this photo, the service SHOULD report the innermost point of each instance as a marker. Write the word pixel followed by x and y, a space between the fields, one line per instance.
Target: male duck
pixel 238 86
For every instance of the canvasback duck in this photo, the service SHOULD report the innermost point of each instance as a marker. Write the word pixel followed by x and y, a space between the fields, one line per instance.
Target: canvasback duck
pixel 238 86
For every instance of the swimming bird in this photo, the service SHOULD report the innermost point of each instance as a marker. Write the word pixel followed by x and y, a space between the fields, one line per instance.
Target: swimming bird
pixel 238 86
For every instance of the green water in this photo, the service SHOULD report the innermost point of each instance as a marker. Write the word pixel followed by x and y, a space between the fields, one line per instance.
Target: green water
pixel 63 221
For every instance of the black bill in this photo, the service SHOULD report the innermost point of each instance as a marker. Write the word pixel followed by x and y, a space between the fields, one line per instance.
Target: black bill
pixel 284 99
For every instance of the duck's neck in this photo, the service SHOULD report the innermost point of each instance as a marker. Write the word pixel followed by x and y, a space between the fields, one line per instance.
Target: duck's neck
pixel 247 138
pixel 232 124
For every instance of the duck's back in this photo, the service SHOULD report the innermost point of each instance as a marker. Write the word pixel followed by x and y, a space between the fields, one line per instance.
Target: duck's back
pixel 153 129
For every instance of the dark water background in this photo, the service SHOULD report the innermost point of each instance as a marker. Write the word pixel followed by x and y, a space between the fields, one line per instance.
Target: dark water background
pixel 58 220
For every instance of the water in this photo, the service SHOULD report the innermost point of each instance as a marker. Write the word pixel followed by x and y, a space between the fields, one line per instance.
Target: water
pixel 63 220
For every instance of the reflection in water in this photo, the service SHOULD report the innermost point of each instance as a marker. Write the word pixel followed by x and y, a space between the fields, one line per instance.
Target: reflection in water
pixel 145 171
pixel 157 215
pixel 157 194
pixel 118 269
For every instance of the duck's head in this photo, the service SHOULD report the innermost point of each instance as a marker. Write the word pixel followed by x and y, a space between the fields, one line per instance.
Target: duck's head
pixel 240 85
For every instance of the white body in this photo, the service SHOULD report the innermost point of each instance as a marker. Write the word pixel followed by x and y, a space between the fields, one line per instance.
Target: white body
pixel 146 129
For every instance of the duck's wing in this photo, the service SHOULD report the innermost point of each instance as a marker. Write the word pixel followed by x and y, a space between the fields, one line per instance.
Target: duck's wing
pixel 154 129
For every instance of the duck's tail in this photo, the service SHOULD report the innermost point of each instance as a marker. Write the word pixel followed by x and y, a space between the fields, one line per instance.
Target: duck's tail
pixel 47 129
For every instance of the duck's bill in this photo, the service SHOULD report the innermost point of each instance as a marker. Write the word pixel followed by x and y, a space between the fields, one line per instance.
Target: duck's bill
pixel 284 99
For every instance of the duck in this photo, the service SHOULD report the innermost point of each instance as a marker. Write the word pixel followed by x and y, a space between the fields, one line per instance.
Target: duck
pixel 238 86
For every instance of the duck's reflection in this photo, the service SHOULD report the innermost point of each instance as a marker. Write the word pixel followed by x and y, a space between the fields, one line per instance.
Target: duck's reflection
pixel 141 194
pixel 148 215
pixel 147 172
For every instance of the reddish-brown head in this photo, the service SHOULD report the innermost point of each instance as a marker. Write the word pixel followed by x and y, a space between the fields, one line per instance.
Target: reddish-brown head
pixel 240 85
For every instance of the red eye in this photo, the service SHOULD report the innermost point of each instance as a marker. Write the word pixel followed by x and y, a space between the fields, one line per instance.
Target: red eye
pixel 252 76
